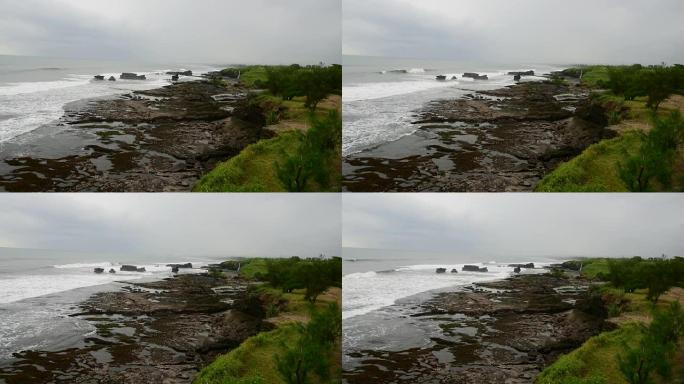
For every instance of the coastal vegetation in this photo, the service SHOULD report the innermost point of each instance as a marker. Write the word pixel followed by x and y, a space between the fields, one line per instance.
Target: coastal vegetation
pixel 301 146
pixel 642 301
pixel 643 106
pixel 300 341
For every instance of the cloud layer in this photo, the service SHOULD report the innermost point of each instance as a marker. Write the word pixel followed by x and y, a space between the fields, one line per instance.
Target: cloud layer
pixel 527 31
pixel 174 224
pixel 516 224
pixel 207 31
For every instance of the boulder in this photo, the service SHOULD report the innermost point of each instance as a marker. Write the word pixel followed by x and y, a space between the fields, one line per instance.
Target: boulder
pixel 482 77
pixel 516 77
pixel 174 269
pixel 516 270
pixel 440 270
pixel 111 270
pixel 99 77
pixel 472 75
pixel 99 270
pixel 128 268
pixel 441 77
pixel 141 269
pixel 132 76
pixel 174 78
pixel 474 268
pixel 186 265
pixel 522 73
pixel 178 73
pixel 112 78
pixel 454 270
pixel 528 265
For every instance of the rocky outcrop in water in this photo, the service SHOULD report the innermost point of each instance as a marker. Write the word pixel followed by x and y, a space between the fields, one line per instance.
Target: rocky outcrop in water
pixel 498 332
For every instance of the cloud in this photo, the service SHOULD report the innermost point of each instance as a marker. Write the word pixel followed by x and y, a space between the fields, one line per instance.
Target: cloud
pixel 224 31
pixel 529 31
pixel 174 224
pixel 516 224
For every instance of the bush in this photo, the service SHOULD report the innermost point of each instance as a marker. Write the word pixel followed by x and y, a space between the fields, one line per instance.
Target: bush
pixel 656 155
pixel 313 275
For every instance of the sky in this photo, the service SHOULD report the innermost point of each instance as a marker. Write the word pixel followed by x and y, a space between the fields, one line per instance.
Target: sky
pixel 554 225
pixel 174 31
pixel 174 224
pixel 521 31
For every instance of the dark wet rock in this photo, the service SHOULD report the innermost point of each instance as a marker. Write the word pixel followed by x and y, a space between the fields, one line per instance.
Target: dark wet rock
pixel 128 268
pixel 505 331
pixel 522 73
pixel 99 77
pixel 132 76
pixel 494 141
pixel 174 78
pixel 440 77
pixel 474 268
pixel 440 270
pixel 111 270
pixel 516 269
pixel 156 140
pixel 112 78
pixel 454 270
pixel 177 73
pixel 99 270
pixel 174 269
pixel 527 265
pixel 517 77
pixel 471 75
pixel 141 269
pixel 185 265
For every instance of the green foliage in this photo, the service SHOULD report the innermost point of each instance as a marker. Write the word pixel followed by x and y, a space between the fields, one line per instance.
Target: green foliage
pixel 656 275
pixel 313 82
pixel 656 155
pixel 654 352
pixel 319 148
pixel 655 82
pixel 313 275
pixel 312 351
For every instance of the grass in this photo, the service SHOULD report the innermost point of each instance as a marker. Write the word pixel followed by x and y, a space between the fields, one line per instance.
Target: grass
pixel 592 267
pixel 254 169
pixel 253 266
pixel 594 170
pixel 251 74
pixel 253 362
pixel 595 362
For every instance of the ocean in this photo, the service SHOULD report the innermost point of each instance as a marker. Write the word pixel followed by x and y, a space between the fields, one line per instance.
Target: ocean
pixel 33 90
pixel 381 95
pixel 382 289
pixel 39 289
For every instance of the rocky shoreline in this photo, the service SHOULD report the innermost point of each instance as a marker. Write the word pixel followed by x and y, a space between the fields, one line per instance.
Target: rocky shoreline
pixel 146 141
pixel 155 332
pixel 488 141
pixel 497 332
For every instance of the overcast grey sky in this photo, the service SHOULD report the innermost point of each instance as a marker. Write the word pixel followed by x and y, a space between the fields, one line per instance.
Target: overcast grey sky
pixel 176 224
pixel 517 224
pixel 184 31
pixel 526 31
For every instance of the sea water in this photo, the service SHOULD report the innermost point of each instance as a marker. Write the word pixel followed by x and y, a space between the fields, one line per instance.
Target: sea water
pixel 40 289
pixel 380 96
pixel 34 90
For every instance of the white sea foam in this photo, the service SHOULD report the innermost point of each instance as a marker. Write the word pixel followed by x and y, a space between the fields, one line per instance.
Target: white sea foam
pixel 367 291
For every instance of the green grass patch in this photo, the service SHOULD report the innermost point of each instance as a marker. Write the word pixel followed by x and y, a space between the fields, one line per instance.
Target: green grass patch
pixel 593 267
pixel 594 170
pixel 253 169
pixel 252 74
pixel 251 267
pixel 252 362
pixel 595 362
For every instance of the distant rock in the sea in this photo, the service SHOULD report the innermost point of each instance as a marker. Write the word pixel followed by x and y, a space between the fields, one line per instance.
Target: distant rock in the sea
pixel 440 77
pixel 174 78
pixel 99 77
pixel 174 269
pixel 516 77
pixel 99 270
pixel 454 270
pixel 176 73
pixel 528 265
pixel 111 270
pixel 474 268
pixel 186 265
pixel 440 270
pixel 132 76
pixel 112 78
pixel 128 268
pixel 516 270
pixel 522 73
pixel 141 269
pixel 475 76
